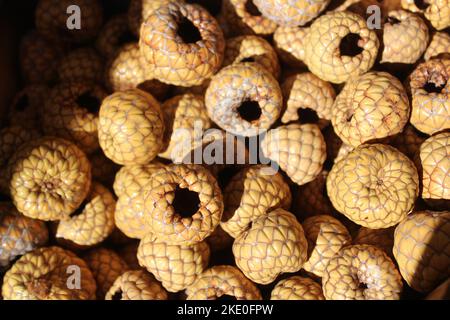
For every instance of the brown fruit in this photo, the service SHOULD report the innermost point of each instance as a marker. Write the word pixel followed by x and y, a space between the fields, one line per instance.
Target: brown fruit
pixel 113 35
pixel 381 238
pixel 297 288
pixel 81 65
pixel 26 110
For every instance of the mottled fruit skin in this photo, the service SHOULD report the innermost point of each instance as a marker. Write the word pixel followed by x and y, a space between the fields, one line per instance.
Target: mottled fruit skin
pixel 175 265
pixel 52 19
pixel 431 109
pixel 361 264
pixel 43 275
pixel 375 186
pixel 50 178
pixel 299 150
pixel 274 244
pixel 290 45
pixel 435 163
pixel 436 11
pixel 18 234
pixel 169 58
pixel 222 280
pixel 439 45
pixel 422 249
pixel 251 193
pixel 130 127
pixel 322 53
pixel 106 267
pixel 239 83
pixel 136 285
pixel 372 106
pixel 326 236
pixel 297 288
pixel 291 13
pixel 81 65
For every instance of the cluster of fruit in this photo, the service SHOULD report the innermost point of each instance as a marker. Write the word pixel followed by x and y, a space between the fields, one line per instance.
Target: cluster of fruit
pixel 101 199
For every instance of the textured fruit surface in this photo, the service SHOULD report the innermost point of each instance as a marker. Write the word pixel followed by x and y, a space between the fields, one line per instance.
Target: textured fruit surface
pixel 375 186
pixel 128 186
pixel 440 44
pixel 136 285
pixel 430 90
pixel 322 53
pixel 306 91
pixel 71 112
pixel 130 127
pixel 81 65
pixel 52 21
pixel 252 49
pixel 26 108
pixel 371 106
pixel 436 11
pixel 50 178
pixel 111 36
pixel 47 274
pixel 93 221
pixel 18 234
pixel 175 265
pixel 232 87
pixel 291 13
pixel 299 150
pixel 174 60
pixel 274 244
pixel 381 238
pixel 422 249
pixel 408 141
pixel 297 288
pixel 361 272
pixel 290 44
pixel 435 162
pixel 222 280
pixel 106 266
pixel 326 236
pixel 184 115
pixel 251 193
pixel 139 10
pixel 160 194
pixel 405 37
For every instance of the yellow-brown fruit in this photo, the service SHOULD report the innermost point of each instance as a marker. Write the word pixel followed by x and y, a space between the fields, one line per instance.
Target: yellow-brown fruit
pixel 139 10
pixel 106 267
pixel 326 236
pixel 175 265
pixel 113 35
pixel 331 43
pixel 361 272
pixel 422 249
pixel 129 184
pixel 291 13
pixel 50 178
pixel 251 193
pixel 436 11
pixel 39 58
pixel 274 244
pixel 299 150
pixel 405 37
pixel 18 234
pixel 26 110
pixel 290 44
pixel 71 112
pixel 371 106
pixel 136 285
pixel 175 215
pixel 430 91
pixel 48 274
pixel 381 238
pixel 252 49
pixel 297 288
pixel 221 281
pixel 244 99
pixel 172 53
pixel 93 221
pixel 435 163
pixel 185 117
pixel 81 65
pixel 375 186
pixel 131 127
pixel 439 45
pixel 52 20
pixel 305 91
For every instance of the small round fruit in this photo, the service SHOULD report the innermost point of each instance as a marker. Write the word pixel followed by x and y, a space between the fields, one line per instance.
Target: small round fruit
pixel 422 249
pixel 375 186
pixel 113 35
pixel 131 127
pixel 81 65
pixel 361 272
pixel 436 11
pixel 381 238
pixel 439 46
pixel 50 178
pixel 297 288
